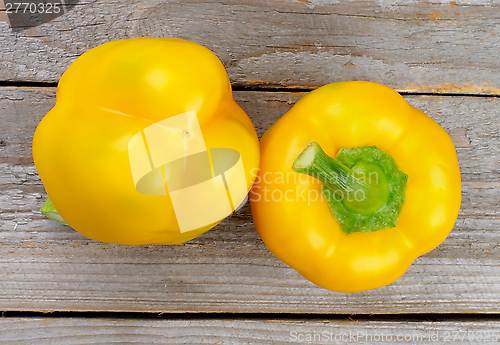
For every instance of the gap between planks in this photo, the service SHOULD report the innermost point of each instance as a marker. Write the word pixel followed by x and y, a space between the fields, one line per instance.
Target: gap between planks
pixel 250 88
pixel 404 317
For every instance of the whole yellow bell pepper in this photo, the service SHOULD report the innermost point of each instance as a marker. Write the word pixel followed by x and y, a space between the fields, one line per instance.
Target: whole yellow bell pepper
pixel 358 221
pixel 111 152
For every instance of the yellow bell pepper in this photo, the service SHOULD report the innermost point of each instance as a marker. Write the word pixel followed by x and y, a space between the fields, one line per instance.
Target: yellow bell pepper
pixel 137 121
pixel 358 221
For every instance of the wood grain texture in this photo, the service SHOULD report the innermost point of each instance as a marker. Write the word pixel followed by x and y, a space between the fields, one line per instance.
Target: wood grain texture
pixel 105 331
pixel 47 266
pixel 445 47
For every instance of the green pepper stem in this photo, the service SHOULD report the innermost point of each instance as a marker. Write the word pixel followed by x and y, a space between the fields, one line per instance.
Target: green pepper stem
pixel 357 194
pixel 50 211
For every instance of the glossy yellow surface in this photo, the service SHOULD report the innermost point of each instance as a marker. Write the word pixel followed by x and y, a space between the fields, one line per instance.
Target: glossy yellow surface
pixel 298 227
pixel 108 95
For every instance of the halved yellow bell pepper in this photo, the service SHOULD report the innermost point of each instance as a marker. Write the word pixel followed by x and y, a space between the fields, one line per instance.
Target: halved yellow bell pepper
pixel 356 222
pixel 130 103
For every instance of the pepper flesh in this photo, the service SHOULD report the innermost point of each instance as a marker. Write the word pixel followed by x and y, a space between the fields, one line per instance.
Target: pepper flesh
pixel 297 225
pixel 107 96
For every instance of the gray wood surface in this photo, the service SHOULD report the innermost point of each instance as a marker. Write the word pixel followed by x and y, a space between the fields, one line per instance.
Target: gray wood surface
pixel 44 331
pixel 443 46
pixel 47 266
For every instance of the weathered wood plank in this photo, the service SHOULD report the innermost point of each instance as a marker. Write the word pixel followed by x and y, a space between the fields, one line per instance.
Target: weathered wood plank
pixel 47 266
pixel 104 331
pixel 472 123
pixel 446 47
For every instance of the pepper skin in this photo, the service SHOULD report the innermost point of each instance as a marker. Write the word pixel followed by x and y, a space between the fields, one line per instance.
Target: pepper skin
pixel 298 226
pixel 110 94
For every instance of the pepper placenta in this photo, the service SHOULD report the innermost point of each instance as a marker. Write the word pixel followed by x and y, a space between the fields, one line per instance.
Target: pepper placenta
pixel 354 184
pixel 138 126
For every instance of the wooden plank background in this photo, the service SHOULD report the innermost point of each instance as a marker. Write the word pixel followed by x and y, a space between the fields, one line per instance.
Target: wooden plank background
pixel 45 331
pixel 48 266
pixel 443 57
pixel 447 47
